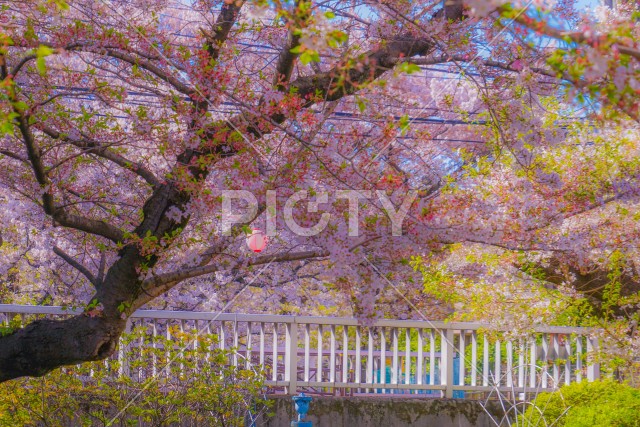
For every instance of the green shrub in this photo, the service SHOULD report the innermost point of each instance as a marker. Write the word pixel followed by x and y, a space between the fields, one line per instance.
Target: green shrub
pixel 596 404
pixel 192 385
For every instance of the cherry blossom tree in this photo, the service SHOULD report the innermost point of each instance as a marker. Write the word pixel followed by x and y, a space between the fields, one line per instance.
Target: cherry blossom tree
pixel 130 128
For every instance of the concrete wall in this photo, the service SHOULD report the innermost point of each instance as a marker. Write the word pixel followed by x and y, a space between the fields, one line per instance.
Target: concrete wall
pixel 332 411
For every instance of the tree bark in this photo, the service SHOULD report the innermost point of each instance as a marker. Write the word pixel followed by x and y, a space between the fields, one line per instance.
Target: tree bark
pixel 592 282
pixel 45 344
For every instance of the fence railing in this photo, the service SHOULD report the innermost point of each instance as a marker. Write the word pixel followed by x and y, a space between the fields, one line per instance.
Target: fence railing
pixel 340 355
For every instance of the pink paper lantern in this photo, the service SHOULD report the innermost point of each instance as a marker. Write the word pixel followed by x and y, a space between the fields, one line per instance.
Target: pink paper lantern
pixel 257 241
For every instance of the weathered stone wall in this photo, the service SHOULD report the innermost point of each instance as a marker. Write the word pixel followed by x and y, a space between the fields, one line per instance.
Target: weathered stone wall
pixel 332 411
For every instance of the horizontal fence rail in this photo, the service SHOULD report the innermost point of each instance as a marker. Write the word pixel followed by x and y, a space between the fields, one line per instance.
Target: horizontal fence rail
pixel 342 356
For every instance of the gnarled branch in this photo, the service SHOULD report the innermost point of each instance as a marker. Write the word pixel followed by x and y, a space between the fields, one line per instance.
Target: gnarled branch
pixel 330 87
pixel 159 284
pixel 75 264
pixel 94 147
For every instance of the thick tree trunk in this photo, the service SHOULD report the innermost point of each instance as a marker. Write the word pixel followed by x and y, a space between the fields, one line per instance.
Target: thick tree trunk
pixel 46 344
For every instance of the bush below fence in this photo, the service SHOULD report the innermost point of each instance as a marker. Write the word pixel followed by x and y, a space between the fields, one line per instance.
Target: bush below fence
pixel 180 382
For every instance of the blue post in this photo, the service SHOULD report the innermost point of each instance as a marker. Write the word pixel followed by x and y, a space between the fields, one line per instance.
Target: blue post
pixel 302 407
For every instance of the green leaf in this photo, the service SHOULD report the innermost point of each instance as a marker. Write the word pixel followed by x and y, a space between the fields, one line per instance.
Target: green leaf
pixel 297 49
pixel 309 56
pixel 409 68
pixel 41 52
pixel 403 123
pixel 61 4
pixel 6 128
pixel 21 105
pixel 337 37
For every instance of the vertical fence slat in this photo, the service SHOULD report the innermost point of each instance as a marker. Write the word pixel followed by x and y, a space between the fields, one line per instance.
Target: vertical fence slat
pixel 556 363
pixel 545 359
pixel 262 342
pixel 358 361
pixel 461 357
pixel 210 347
pixel 485 360
pixel 345 353
pixel 332 353
pixel 532 363
pixel 447 350
pixel 292 360
pixel 394 369
pixel 420 360
pixel 287 351
pixel 182 349
pixel 307 351
pixel 274 352
pixel 234 356
pixel 382 369
pixel 248 362
pixel 498 362
pixel 370 356
pixel 593 367
pixel 509 373
pixel 432 357
pixel 521 354
pixel 140 352
pixel 221 336
pixel 407 356
pixel 319 357
pixel 579 358
pixel 123 368
pixel 567 365
pixel 154 337
pixel 474 358
pixel 167 353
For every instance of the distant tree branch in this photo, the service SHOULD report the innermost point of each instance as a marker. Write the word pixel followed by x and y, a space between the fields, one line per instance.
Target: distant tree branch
pixel 89 225
pixel 145 64
pixel 60 215
pixel 25 60
pixel 159 284
pixel 14 156
pixel 442 59
pixel 93 147
pixel 75 264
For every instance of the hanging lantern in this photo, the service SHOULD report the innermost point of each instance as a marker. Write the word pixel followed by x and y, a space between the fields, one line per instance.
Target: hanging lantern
pixel 257 240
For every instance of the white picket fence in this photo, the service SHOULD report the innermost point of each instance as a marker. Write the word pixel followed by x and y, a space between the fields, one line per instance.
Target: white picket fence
pixel 342 356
